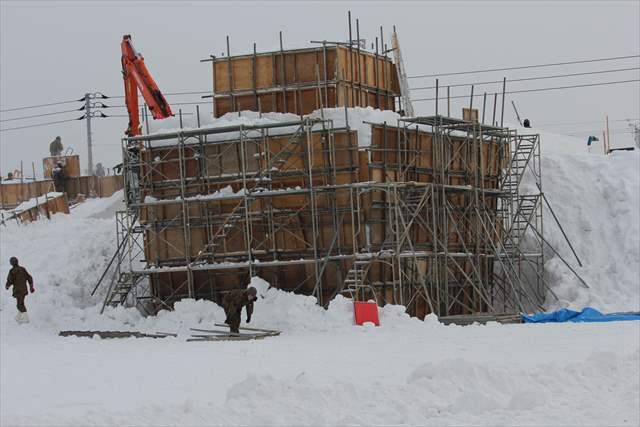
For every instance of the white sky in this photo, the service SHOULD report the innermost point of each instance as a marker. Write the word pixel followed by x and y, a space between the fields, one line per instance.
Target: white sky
pixel 56 51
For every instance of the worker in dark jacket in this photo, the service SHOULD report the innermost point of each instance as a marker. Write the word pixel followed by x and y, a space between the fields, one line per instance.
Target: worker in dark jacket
pixel 59 177
pixel 18 278
pixel 233 303
pixel 55 148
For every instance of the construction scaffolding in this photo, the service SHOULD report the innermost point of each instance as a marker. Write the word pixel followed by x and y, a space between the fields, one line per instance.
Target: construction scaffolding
pixel 431 215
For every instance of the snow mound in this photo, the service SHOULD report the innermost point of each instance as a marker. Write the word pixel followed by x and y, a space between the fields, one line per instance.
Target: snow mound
pixel 100 208
pixel 597 391
pixel 597 200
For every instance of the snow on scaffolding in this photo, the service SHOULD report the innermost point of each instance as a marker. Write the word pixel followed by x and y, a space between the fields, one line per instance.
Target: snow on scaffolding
pixel 356 118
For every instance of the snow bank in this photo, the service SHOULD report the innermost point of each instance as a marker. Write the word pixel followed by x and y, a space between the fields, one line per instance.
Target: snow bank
pixel 596 391
pixel 597 200
pixel 453 392
pixel 101 208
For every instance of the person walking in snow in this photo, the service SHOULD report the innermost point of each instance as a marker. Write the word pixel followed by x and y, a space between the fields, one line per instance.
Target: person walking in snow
pixel 18 278
pixel 233 303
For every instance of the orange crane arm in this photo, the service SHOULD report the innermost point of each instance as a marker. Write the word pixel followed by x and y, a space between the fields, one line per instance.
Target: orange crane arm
pixel 136 76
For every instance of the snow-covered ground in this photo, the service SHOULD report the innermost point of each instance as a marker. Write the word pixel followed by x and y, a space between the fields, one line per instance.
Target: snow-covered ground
pixel 323 370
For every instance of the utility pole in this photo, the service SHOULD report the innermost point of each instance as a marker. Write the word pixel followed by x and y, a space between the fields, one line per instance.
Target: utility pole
pixel 87 106
pixel 516 110
pixel 608 134
pixel 635 129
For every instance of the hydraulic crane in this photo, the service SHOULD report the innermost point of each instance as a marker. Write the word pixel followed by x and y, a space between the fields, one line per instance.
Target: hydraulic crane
pixel 136 76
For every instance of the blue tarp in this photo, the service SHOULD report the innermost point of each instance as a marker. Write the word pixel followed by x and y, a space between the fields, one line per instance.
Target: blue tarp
pixel 586 315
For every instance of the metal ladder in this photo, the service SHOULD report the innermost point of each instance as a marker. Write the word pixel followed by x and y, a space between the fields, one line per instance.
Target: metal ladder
pixel 354 280
pixel 239 211
pixel 527 205
pixel 121 289
pixel 521 156
pixel 230 221
pixel 281 157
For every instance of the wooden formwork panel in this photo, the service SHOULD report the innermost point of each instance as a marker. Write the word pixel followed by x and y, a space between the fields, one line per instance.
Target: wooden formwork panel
pixel 12 194
pixel 280 223
pixel 368 69
pixel 108 185
pixel 45 208
pixel 300 278
pixel 305 66
pixel 305 100
pixel 71 165
pixel 458 156
pixel 16 193
pixel 94 186
pixel 218 165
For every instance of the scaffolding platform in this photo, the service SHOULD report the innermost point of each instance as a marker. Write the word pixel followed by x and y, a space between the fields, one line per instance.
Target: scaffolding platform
pixel 429 216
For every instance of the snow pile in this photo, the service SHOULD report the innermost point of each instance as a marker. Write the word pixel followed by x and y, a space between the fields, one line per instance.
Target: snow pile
pixel 596 391
pixel 452 392
pixel 275 309
pixel 101 208
pixel 356 119
pixel 597 200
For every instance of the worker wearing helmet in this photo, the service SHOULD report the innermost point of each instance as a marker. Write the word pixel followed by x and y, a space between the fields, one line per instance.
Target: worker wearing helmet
pixel 18 278
pixel 233 303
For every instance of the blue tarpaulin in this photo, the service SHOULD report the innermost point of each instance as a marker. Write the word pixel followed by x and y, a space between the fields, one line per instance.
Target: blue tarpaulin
pixel 586 315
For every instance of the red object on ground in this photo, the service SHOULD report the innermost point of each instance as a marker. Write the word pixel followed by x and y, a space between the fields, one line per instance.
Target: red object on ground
pixel 366 312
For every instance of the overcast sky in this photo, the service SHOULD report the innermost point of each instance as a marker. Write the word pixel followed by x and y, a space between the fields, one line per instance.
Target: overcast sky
pixel 56 51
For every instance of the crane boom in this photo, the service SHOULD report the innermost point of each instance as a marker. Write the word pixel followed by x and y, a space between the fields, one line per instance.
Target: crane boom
pixel 137 77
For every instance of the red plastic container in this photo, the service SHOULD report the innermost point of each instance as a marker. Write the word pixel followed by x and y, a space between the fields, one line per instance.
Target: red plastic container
pixel 366 312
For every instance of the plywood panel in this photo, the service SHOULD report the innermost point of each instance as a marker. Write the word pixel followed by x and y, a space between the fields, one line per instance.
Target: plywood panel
pixel 71 165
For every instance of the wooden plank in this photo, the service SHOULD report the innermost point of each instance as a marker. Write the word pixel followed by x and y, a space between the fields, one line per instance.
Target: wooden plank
pixel 246 328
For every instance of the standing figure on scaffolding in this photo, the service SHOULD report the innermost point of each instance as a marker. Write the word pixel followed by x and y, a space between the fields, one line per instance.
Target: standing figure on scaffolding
pixel 233 303
pixel 55 148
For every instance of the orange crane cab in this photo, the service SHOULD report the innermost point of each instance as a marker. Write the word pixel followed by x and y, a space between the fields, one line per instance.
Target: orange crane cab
pixel 136 76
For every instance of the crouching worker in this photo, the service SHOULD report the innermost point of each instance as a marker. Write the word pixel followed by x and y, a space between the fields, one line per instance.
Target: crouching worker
pixel 233 303
pixel 18 278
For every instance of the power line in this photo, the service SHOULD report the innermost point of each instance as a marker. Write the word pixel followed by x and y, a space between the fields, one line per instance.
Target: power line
pixel 534 90
pixel 38 115
pixel 553 64
pixel 613 131
pixel 529 78
pixel 585 123
pixel 40 124
pixel 201 92
pixel 37 106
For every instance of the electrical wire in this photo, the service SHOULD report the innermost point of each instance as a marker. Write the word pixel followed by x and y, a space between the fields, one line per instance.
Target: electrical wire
pixel 585 123
pixel 553 64
pixel 37 106
pixel 202 92
pixel 534 90
pixel 38 115
pixel 39 124
pixel 528 78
